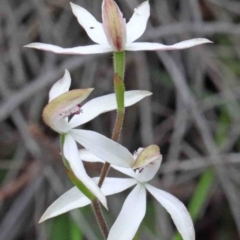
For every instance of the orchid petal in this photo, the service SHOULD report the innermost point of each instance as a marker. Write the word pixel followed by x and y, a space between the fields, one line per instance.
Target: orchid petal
pixel 61 86
pixel 127 171
pixel 90 49
pixel 138 22
pixel 177 210
pixel 131 215
pixel 70 200
pixel 73 198
pixel 87 156
pixel 138 46
pixel 106 103
pixel 103 147
pixel 70 151
pixel 116 185
pixel 93 28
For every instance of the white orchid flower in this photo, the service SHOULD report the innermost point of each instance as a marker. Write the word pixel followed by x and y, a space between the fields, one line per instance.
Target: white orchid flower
pixel 114 35
pixel 64 103
pixel 145 164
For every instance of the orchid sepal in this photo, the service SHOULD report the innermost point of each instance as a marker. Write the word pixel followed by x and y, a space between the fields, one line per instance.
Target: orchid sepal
pixel 114 25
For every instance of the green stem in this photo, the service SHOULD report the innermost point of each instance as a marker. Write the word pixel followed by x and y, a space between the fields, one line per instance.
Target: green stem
pixel 119 88
pixel 119 69
pixel 119 64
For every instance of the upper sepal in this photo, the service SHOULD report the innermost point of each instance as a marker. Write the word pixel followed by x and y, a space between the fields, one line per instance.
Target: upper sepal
pixel 114 25
pixel 63 106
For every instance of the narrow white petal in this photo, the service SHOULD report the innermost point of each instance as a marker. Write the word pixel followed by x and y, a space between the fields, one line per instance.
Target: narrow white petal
pixel 70 200
pixel 177 210
pixel 71 154
pixel 90 49
pixel 103 147
pixel 128 171
pixel 106 103
pixel 116 185
pixel 73 198
pixel 138 22
pixel 131 215
pixel 87 156
pixel 148 46
pixel 61 86
pixel 93 28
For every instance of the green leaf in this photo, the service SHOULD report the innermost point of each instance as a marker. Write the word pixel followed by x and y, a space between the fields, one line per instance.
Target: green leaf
pixel 76 233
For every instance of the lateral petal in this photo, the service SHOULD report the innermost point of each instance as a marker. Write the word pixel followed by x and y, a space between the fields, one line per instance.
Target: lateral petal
pixel 70 200
pixel 105 103
pixel 103 147
pixel 131 215
pixel 138 22
pixel 87 156
pixel 116 185
pixel 73 198
pixel 148 46
pixel 90 49
pixel 177 210
pixel 93 28
pixel 127 171
pixel 70 152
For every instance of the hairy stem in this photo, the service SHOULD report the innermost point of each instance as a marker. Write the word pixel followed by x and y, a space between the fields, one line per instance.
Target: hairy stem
pixel 119 88
pixel 100 218
pixel 119 69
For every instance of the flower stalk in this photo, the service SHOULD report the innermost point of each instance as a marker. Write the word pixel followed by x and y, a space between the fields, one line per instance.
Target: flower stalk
pixel 100 218
pixel 119 64
pixel 119 89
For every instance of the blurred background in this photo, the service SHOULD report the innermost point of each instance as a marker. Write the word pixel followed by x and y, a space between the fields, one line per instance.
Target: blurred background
pixel 193 115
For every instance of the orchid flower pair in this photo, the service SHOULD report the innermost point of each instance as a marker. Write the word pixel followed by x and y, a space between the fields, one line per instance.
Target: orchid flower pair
pixel 63 104
pixel 141 167
pixel 114 35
